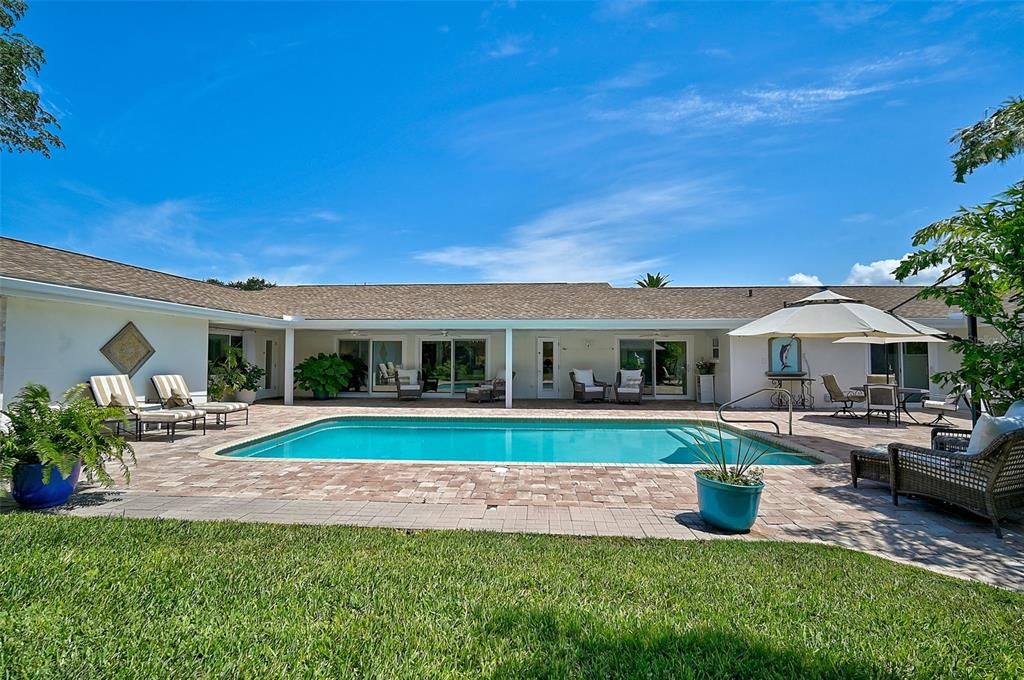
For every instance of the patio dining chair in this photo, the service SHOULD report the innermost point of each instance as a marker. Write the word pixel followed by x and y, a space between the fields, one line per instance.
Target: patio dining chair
pixel 117 390
pixel 844 400
pixel 882 399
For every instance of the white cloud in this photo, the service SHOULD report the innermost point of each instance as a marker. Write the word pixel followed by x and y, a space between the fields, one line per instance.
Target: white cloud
pixel 846 15
pixel 880 272
pixel 801 279
pixel 606 238
pixel 508 46
pixel 638 75
pixel 858 218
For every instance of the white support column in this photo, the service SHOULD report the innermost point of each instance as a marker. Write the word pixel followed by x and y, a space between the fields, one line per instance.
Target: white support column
pixel 508 368
pixel 289 366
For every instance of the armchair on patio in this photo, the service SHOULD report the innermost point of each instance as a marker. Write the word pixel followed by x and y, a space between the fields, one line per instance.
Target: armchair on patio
pixel 988 482
pixel 629 386
pixel 585 387
pixel 408 384
pixel 844 401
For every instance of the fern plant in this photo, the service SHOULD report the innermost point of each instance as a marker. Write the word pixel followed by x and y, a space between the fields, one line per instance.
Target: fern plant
pixel 61 435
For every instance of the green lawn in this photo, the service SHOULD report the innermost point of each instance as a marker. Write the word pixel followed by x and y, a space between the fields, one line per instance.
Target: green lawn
pixel 145 598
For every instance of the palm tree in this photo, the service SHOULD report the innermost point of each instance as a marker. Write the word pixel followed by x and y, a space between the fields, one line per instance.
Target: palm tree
pixel 658 280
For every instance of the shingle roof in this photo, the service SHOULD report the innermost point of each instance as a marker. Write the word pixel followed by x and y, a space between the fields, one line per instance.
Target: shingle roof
pixel 484 301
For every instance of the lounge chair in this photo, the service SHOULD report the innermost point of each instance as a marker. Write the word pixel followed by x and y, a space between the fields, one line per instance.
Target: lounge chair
pixel 173 394
pixel 986 479
pixel 408 384
pixel 629 386
pixel 585 387
pixel 844 401
pixel 951 404
pixel 882 399
pixel 116 390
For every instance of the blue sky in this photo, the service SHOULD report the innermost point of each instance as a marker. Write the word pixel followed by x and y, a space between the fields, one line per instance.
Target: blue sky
pixel 720 143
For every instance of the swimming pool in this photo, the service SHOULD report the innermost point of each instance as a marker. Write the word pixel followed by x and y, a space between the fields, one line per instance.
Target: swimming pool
pixel 499 441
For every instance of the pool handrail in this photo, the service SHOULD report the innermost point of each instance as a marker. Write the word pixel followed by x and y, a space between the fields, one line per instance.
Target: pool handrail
pixel 789 403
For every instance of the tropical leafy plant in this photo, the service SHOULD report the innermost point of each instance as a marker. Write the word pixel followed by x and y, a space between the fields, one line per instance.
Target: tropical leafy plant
pixel 358 371
pixel 323 374
pixel 658 280
pixel 713 451
pixel 997 138
pixel 24 124
pixel 232 374
pixel 59 436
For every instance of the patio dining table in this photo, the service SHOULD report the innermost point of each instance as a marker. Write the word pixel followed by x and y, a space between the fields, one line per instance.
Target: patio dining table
pixel 906 395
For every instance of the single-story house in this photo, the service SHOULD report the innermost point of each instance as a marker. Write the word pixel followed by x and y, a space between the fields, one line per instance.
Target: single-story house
pixel 60 310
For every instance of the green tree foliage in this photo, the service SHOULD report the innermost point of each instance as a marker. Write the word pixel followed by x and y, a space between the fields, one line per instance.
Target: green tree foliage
pixel 981 253
pixel 996 138
pixel 658 280
pixel 24 124
pixel 251 283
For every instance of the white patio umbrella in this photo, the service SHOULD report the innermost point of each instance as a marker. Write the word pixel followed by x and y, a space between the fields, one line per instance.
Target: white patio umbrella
pixel 830 315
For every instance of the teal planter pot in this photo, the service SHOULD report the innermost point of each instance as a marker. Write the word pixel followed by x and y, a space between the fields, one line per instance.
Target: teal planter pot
pixel 728 506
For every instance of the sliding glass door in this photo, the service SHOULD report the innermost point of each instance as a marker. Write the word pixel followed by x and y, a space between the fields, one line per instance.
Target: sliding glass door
pixel 357 352
pixel 450 365
pixel 664 363
pixel 384 365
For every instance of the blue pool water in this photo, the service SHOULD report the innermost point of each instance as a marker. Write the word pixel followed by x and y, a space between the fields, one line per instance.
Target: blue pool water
pixel 500 441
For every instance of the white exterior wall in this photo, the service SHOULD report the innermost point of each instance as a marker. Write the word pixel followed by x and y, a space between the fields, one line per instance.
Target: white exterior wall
pixel 58 345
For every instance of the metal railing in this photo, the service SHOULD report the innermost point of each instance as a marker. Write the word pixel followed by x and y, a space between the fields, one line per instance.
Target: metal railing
pixel 779 390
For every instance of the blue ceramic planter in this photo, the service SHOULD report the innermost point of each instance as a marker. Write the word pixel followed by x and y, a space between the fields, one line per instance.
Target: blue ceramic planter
pixel 728 506
pixel 30 492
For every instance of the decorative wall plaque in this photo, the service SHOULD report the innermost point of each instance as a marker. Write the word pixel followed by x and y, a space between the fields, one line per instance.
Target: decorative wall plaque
pixel 128 350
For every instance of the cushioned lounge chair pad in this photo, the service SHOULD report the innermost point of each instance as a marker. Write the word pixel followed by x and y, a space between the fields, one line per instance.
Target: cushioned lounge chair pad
pixel 171 416
pixel 223 406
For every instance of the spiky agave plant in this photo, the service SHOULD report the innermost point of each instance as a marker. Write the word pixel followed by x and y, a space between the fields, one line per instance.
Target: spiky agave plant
pixel 711 450
pixel 58 436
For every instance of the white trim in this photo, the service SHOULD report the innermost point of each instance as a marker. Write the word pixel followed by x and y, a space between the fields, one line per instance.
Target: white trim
pixel 56 293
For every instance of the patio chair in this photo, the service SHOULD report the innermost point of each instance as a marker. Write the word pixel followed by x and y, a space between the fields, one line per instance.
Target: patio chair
pixel 988 483
pixel 884 400
pixel 408 384
pixel 950 404
pixel 585 387
pixel 488 390
pixel 116 390
pixel 843 400
pixel 173 394
pixel 629 386
pixel 383 376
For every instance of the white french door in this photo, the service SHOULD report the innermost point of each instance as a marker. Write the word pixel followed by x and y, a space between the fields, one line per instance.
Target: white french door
pixel 547 368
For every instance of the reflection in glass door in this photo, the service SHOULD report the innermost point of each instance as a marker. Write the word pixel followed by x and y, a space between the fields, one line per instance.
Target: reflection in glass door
pixel 670 367
pixel 358 352
pixel 915 365
pixel 387 359
pixel 547 368
pixel 451 365
pixel 469 363
pixel 664 363
pixel 436 363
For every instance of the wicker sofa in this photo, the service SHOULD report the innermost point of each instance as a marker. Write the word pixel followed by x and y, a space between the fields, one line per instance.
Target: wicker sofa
pixel 989 483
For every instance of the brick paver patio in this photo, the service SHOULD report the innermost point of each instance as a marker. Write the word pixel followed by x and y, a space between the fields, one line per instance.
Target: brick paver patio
pixel 811 503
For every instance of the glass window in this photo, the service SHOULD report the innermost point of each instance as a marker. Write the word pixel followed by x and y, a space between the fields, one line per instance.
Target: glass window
pixel 884 359
pixel 637 354
pixel 357 352
pixel 268 364
pixel 218 344
pixel 469 358
pixel 670 367
pixel 436 364
pixel 547 370
pixel 387 359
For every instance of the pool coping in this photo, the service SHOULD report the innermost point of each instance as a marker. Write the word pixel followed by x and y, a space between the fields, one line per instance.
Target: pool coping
pixel 215 452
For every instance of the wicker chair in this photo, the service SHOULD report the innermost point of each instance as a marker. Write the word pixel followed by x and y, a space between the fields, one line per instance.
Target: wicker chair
pixel 989 483
pixel 408 384
pixel 629 388
pixel 584 392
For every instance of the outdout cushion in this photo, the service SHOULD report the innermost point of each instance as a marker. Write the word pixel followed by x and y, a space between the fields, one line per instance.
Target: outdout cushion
pixel 989 428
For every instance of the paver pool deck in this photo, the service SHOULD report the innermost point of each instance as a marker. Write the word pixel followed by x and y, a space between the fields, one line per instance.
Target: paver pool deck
pixel 809 503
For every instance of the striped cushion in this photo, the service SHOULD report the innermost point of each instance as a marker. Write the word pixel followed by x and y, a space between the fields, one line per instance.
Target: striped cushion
pixel 105 386
pixel 166 385
pixel 223 406
pixel 170 416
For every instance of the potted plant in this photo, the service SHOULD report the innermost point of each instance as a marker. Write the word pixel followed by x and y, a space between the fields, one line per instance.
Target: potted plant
pixel 324 375
pixel 705 367
pixel 45 448
pixel 729 488
pixel 234 375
